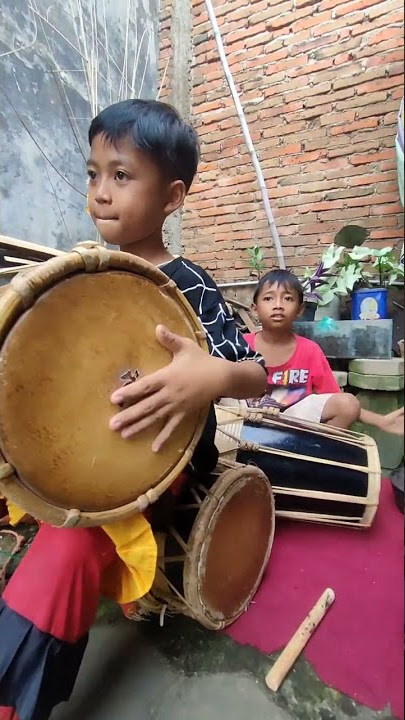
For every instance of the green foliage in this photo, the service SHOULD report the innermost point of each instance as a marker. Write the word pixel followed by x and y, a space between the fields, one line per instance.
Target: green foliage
pixel 351 236
pixel 256 260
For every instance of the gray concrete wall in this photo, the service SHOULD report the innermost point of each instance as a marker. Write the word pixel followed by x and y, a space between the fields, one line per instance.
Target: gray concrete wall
pixel 181 38
pixel 49 93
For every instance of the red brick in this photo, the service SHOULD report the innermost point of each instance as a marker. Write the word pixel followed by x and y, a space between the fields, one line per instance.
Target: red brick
pixel 374 199
pixel 380 84
pixel 292 149
pixel 360 102
pixel 392 19
pixel 270 61
pixel 335 118
pixel 386 59
pixel 336 24
pixel 391 209
pixel 361 77
pixel 372 158
pixel 383 234
pixel 317 89
pixel 397 93
pixel 354 126
pixel 286 129
pixel 387 109
pixel 373 179
pixel 350 7
pixel 241 35
pixel 309 68
pixel 388 33
pixel 385 8
pixel 259 39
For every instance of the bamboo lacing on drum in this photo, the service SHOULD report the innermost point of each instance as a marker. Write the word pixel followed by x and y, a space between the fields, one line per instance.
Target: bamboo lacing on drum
pixel 251 415
pixel 96 258
pixel 153 603
pixel 21 285
pixel 6 470
pixel 242 444
pixel 176 592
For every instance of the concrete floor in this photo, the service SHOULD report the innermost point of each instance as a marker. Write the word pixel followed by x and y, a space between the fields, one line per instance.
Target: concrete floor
pixel 140 671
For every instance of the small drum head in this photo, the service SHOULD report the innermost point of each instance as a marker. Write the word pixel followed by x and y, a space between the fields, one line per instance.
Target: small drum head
pixel 229 546
pixel 84 335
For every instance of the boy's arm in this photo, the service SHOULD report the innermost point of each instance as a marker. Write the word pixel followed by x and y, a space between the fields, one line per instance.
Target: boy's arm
pixel 193 379
pixel 240 380
pixel 189 383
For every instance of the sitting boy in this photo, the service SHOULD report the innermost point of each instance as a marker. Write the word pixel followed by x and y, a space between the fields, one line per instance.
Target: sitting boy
pixel 300 381
pixel 142 162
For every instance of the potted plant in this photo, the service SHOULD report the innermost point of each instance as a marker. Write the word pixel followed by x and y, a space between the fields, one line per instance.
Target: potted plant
pixel 369 300
pixel 320 286
pixel 333 278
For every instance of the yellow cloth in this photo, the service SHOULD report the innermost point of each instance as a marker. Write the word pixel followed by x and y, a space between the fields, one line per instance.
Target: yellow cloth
pixel 16 514
pixel 132 575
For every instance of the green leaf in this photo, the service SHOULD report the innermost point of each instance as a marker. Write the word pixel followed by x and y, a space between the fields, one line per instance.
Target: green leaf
pixel 331 256
pixel 327 298
pixel 350 236
pixel 360 253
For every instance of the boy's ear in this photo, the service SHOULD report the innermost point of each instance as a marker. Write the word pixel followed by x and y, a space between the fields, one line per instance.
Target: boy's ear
pixel 176 195
pixel 301 310
pixel 253 309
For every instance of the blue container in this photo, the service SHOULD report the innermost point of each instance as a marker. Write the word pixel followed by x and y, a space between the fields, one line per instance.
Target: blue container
pixel 369 304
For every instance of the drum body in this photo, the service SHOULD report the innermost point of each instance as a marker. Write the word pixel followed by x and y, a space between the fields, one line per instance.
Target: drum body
pixel 73 330
pixel 213 555
pixel 318 473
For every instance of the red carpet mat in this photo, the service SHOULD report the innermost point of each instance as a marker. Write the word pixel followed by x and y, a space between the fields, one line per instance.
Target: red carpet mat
pixel 359 647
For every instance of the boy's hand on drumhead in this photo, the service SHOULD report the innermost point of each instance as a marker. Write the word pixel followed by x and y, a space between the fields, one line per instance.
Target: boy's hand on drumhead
pixel 189 383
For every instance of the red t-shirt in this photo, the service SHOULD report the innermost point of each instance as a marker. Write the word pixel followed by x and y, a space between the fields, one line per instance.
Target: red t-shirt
pixel 306 372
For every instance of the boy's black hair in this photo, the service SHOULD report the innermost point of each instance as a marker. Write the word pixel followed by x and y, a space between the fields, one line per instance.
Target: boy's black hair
pixel 285 278
pixel 157 129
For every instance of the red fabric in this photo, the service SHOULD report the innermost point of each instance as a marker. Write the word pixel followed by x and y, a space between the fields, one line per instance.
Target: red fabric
pixel 57 584
pixel 358 648
pixel 306 372
pixel 178 484
pixel 8 713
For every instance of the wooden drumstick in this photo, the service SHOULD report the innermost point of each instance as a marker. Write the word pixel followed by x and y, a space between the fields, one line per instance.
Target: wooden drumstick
pixel 292 651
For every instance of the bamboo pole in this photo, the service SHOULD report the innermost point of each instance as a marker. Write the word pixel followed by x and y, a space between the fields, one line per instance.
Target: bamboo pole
pixel 246 135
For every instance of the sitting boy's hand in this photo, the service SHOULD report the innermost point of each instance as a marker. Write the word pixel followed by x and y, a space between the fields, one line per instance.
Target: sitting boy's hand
pixel 189 383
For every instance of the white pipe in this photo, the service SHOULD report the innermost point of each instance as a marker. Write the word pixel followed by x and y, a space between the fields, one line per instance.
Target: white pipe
pixel 247 136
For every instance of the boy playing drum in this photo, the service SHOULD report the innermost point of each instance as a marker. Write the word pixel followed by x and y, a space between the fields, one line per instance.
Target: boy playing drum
pixel 142 162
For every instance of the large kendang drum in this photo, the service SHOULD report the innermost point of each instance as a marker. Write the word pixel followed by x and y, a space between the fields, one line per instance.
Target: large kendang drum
pixel 72 330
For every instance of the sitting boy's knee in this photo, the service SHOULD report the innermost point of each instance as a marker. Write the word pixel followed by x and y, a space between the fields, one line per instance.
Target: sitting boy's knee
pixel 349 406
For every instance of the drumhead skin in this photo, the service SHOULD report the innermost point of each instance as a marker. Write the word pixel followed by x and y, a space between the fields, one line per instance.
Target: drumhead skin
pixel 229 547
pixel 88 328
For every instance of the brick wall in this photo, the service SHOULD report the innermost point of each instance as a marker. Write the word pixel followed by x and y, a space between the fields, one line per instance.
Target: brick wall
pixel 321 84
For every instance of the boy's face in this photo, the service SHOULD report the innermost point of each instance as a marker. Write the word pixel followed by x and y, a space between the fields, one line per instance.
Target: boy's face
pixel 129 198
pixel 277 307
